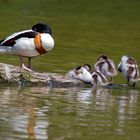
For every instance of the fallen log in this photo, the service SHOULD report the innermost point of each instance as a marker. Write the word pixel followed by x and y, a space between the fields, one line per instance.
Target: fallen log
pixel 13 75
pixel 16 76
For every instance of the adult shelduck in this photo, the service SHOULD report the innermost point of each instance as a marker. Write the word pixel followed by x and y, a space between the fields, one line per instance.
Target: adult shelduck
pixel 129 69
pixel 28 43
pixel 106 67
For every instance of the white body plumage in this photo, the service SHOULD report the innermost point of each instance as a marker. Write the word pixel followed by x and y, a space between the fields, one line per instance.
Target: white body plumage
pixel 25 46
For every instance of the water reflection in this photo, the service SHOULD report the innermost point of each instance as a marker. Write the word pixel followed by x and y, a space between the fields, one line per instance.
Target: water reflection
pixel 36 113
pixel 126 109
pixel 23 116
pixel 103 99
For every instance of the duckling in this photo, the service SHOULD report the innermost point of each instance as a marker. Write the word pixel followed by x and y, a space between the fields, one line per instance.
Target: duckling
pixel 129 69
pixel 73 72
pixel 81 73
pixel 99 79
pixel 106 66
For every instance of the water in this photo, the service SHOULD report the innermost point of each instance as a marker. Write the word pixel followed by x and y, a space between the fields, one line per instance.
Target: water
pixel 82 30
pixel 42 113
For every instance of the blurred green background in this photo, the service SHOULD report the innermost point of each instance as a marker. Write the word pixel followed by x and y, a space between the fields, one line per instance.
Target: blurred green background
pixel 82 30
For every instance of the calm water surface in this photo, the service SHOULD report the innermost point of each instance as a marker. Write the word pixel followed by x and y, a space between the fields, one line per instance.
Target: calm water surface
pixel 69 114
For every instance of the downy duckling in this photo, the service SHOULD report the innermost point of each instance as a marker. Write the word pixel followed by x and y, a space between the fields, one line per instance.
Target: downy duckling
pixel 99 79
pixel 129 69
pixel 73 72
pixel 81 73
pixel 106 66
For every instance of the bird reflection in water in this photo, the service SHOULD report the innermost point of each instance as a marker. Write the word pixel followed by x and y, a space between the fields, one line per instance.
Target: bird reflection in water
pixel 31 124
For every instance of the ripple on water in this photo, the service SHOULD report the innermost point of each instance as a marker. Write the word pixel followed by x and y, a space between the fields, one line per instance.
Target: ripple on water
pixel 32 113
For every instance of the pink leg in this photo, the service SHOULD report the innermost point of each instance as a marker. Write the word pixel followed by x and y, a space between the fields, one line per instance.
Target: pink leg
pixel 22 65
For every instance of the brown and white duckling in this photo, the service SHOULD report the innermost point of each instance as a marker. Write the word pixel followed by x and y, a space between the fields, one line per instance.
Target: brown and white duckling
pixel 80 73
pixel 73 72
pixel 106 66
pixel 83 74
pixel 99 79
pixel 129 69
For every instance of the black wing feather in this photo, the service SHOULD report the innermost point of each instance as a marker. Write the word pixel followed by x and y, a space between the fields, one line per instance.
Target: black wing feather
pixel 26 35
pixel 12 41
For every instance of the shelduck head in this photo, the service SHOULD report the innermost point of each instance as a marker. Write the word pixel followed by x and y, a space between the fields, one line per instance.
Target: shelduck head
pixel 43 40
pixel 42 28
